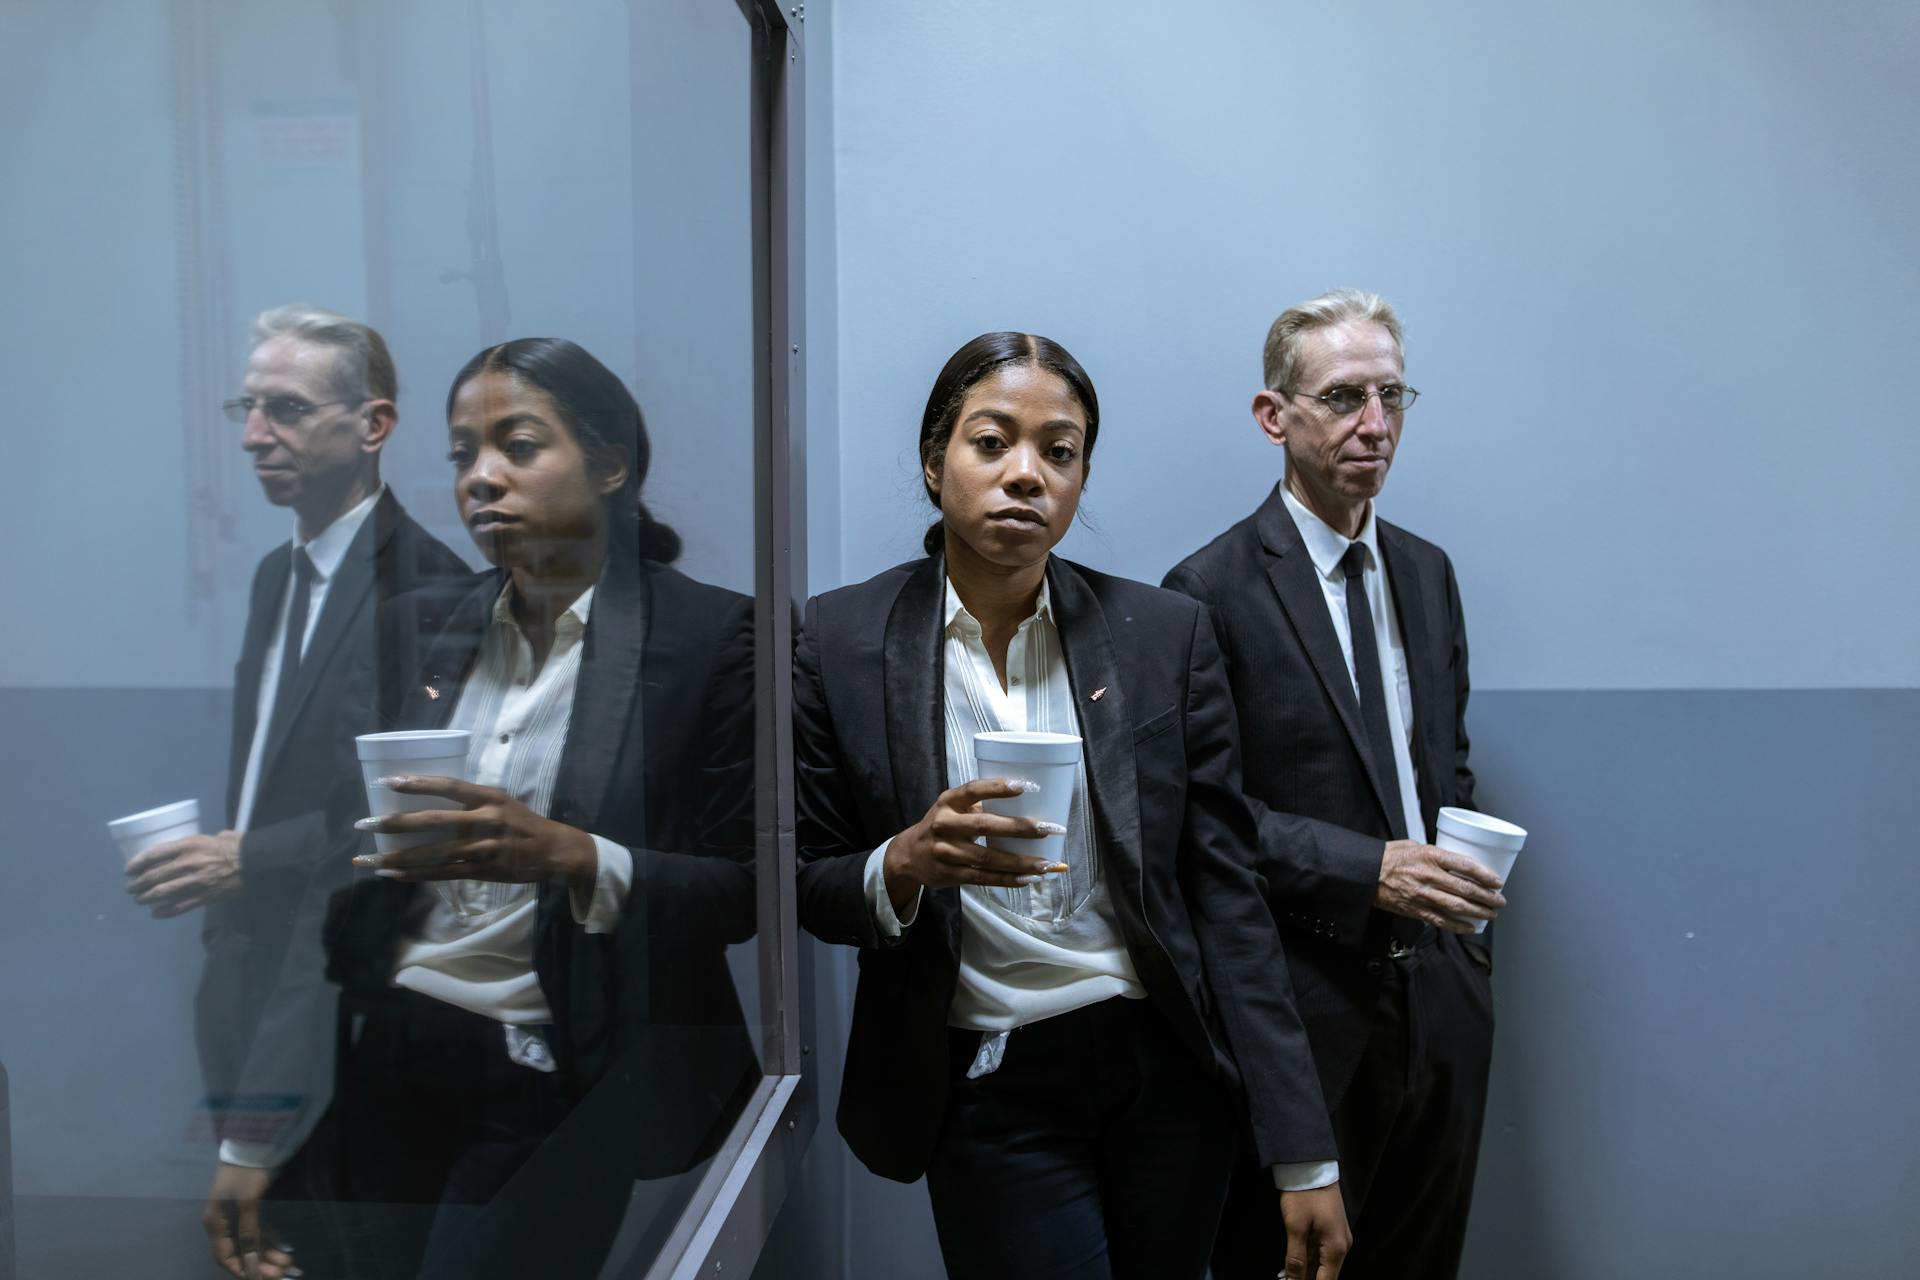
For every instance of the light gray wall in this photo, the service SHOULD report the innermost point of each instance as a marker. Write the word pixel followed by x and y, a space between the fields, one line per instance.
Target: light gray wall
pixel 1639 248
pixel 95 996
pixel 1707 1027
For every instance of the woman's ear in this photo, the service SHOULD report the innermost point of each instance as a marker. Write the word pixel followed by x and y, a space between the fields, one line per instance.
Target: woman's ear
pixel 930 475
pixel 611 466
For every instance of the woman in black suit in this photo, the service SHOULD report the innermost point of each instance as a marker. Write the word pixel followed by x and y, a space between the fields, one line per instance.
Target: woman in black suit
pixel 545 983
pixel 1069 1052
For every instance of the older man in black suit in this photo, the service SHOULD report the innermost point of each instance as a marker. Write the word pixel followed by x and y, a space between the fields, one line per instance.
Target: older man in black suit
pixel 1347 655
pixel 317 406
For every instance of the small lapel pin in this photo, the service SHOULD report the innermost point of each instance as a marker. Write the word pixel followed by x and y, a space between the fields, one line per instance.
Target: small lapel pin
pixel 1097 694
pixel 432 692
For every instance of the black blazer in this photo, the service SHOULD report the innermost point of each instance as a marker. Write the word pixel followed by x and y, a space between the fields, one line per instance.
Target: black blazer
pixel 1323 819
pixel 246 934
pixel 647 1033
pixel 659 757
pixel 1164 775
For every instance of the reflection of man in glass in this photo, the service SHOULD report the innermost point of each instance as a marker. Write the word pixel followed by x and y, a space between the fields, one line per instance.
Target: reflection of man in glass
pixel 316 407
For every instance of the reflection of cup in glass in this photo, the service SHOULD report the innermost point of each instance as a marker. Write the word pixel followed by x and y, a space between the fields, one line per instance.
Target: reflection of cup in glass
pixel 138 832
pixel 1049 759
pixel 1488 840
pixel 420 753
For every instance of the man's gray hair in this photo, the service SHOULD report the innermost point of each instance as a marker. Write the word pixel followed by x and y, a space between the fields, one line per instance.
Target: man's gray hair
pixel 364 369
pixel 1280 363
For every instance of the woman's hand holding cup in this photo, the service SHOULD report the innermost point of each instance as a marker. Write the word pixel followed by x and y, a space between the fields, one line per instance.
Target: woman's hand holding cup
pixel 492 837
pixel 940 850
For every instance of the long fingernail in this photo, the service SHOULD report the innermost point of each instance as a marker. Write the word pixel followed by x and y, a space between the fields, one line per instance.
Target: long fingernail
pixel 389 873
pixel 1024 785
pixel 365 860
pixel 1057 868
pixel 393 780
pixel 367 824
pixel 1027 879
pixel 1049 828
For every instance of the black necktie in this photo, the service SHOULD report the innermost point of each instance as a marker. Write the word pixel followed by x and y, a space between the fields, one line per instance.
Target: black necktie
pixel 295 639
pixel 1373 690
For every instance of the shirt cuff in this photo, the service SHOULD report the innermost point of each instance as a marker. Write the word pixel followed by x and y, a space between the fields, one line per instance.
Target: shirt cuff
pixel 612 881
pixel 889 923
pixel 247 1155
pixel 1310 1176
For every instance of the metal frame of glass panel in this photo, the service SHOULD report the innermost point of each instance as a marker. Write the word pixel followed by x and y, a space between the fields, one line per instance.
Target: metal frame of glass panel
pixel 733 1207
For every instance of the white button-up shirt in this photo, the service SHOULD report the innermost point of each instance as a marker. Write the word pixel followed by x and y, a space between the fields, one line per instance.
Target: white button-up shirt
pixel 476 947
pixel 1050 948
pixel 1327 547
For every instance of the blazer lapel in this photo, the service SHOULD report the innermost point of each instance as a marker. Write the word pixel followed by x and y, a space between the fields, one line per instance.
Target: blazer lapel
pixel 617 630
pixel 1112 780
pixel 1409 611
pixel 262 612
pixel 913 673
pixel 1297 582
pixel 347 596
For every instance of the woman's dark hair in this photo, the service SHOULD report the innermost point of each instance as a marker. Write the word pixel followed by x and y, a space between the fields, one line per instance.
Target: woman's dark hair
pixel 978 360
pixel 603 416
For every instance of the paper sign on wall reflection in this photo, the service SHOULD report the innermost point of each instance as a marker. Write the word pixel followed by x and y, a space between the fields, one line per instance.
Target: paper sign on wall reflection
pixel 302 137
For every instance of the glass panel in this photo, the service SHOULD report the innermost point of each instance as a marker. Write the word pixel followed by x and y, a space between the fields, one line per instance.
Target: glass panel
pixel 530 1039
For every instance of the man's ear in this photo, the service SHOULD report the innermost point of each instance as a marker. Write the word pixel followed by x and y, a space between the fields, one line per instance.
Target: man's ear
pixel 382 417
pixel 1269 410
pixel 610 470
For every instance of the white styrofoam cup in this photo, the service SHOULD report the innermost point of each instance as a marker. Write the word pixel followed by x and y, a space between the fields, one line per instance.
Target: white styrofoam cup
pixel 423 753
pixel 138 832
pixel 1492 842
pixel 1048 759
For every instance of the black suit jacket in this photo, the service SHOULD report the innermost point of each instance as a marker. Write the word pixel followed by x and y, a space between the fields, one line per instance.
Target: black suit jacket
pixel 1173 829
pixel 287 832
pixel 659 757
pixel 1323 819
pixel 647 1030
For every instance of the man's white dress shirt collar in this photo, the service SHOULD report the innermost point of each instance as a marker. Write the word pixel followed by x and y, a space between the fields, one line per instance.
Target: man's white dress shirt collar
pixel 1326 545
pixel 329 547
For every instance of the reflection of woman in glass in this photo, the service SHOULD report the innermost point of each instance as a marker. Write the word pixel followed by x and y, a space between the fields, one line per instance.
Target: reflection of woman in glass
pixel 1054 1045
pixel 549 972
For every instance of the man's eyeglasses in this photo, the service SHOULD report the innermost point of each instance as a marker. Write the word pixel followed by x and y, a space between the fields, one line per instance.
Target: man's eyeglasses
pixel 1343 401
pixel 282 411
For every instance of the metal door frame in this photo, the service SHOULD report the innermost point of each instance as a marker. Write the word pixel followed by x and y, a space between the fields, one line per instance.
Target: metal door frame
pixel 722 1229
